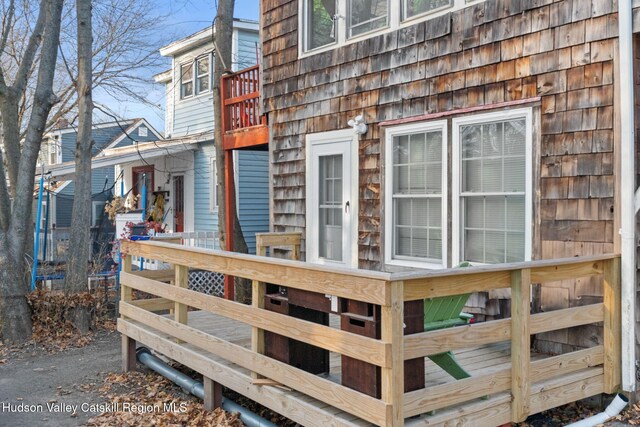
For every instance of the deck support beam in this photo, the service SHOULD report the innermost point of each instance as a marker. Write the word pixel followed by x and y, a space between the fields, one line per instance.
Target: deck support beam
pixel 181 281
pixel 258 291
pixel 212 394
pixel 128 354
pixel 128 344
pixel 229 195
pixel 392 331
pixel 612 326
pixel 520 344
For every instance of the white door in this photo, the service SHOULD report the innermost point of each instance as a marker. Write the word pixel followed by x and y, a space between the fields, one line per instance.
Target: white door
pixel 332 212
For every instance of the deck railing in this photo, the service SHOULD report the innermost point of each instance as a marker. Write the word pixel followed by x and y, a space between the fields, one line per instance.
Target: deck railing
pixel 240 93
pixel 506 394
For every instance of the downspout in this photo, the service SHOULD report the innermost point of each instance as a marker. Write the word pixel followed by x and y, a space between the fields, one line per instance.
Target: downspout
pixel 196 388
pixel 614 408
pixel 627 190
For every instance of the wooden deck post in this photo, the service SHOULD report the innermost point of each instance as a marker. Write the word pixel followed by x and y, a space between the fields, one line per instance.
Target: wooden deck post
pixel 128 344
pixel 212 394
pixel 612 326
pixel 392 331
pixel 258 290
pixel 229 281
pixel 520 344
pixel 182 281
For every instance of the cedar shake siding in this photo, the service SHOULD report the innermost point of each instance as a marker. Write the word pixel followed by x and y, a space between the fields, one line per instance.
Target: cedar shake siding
pixel 557 57
pixel 485 54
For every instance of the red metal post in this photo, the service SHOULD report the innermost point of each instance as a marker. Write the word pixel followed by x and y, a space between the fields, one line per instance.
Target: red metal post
pixel 229 292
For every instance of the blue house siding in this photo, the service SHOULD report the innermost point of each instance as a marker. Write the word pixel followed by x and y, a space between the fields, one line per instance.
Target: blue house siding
pixel 195 114
pixel 102 183
pixel 64 199
pixel 204 219
pixel 68 146
pixel 253 193
pixel 247 42
pixel 64 206
pixel 135 136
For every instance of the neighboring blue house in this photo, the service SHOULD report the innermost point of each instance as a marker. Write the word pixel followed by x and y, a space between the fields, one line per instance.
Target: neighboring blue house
pixel 58 148
pixel 189 113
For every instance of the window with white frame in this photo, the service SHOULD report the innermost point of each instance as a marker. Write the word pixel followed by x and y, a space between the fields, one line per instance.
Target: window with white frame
pixel 491 205
pixel 97 208
pixel 367 15
pixel 491 187
pixel 186 80
pixel 329 23
pixel 320 24
pixel 54 151
pixel 416 204
pixel 202 75
pixel 213 185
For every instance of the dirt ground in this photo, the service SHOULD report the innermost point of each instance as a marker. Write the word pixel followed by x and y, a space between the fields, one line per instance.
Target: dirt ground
pixel 72 387
pixel 33 379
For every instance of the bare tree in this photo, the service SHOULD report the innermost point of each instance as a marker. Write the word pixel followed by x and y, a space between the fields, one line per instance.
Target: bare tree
pixel 222 35
pixel 22 154
pixel 79 248
pixel 125 46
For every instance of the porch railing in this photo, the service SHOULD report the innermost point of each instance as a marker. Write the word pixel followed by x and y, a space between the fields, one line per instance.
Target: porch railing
pixel 517 389
pixel 240 93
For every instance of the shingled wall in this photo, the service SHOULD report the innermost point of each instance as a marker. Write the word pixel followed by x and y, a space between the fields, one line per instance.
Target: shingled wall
pixel 487 53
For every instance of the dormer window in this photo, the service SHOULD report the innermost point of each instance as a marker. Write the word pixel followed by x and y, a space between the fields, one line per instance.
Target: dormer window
pixel 202 77
pixel 186 80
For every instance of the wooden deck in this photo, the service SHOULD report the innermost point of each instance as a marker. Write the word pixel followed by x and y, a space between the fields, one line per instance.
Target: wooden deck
pixel 222 339
pixel 485 360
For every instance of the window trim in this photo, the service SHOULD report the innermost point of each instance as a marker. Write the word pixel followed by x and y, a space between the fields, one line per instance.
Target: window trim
pixel 390 133
pixel 196 75
pixel 94 204
pixel 180 67
pixel 456 182
pixel 396 22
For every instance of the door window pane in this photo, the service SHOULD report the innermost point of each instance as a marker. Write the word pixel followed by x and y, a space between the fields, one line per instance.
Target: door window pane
pixel 321 29
pixel 367 15
pixel 330 207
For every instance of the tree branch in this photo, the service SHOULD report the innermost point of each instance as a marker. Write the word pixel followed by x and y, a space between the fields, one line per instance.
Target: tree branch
pixel 22 76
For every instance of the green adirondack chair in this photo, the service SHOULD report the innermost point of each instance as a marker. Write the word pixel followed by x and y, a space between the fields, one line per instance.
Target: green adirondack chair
pixel 445 312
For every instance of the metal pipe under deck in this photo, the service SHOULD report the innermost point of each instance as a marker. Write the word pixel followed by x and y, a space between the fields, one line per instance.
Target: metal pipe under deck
pixel 196 388
pixel 627 193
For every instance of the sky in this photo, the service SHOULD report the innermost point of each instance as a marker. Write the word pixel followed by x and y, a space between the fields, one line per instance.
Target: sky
pixel 183 18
